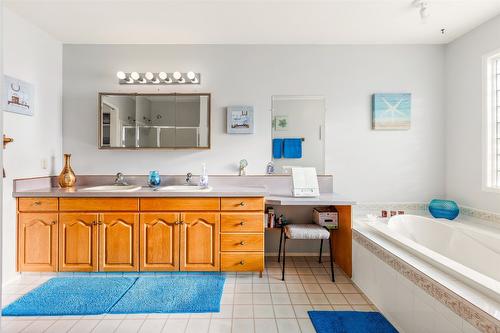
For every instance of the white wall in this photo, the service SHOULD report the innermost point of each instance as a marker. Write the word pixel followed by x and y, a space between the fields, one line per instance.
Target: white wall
pixel 464 103
pixel 367 165
pixel 31 55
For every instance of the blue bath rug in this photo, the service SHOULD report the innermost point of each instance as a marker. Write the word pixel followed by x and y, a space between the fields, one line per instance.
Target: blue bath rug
pixel 173 294
pixel 350 322
pixel 66 296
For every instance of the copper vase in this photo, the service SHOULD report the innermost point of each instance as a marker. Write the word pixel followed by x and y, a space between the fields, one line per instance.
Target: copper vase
pixel 67 177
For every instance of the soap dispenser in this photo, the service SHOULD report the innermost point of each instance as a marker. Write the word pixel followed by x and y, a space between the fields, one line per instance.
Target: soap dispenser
pixel 203 176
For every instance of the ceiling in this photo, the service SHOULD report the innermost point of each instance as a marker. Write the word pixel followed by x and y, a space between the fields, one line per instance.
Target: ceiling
pixel 254 21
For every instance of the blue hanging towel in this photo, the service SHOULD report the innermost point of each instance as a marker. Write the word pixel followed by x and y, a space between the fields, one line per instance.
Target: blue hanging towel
pixel 277 148
pixel 292 148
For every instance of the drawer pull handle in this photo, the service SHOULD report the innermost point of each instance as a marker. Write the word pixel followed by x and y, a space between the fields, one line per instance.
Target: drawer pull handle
pixel 242 243
pixel 242 204
pixel 37 203
pixel 242 263
pixel 100 223
pixel 53 222
pixel 242 223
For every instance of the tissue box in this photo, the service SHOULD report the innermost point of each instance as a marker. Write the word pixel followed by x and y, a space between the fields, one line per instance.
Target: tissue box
pixel 326 217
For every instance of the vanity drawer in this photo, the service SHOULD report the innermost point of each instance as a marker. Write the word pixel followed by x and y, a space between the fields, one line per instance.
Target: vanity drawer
pixel 37 204
pixel 179 204
pixel 98 204
pixel 242 222
pixel 242 203
pixel 242 261
pixel 242 242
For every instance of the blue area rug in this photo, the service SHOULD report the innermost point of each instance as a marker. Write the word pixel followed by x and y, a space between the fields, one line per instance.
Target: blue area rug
pixel 68 296
pixel 350 322
pixel 173 294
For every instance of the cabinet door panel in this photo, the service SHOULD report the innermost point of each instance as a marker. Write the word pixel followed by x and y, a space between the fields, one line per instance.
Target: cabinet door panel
pixel 37 242
pixel 78 242
pixel 199 242
pixel 159 242
pixel 118 238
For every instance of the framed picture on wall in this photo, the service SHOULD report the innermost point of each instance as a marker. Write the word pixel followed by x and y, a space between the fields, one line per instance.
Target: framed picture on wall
pixel 18 96
pixel 391 111
pixel 240 119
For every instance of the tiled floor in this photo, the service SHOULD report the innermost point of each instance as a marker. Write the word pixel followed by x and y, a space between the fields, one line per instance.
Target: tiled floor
pixel 249 304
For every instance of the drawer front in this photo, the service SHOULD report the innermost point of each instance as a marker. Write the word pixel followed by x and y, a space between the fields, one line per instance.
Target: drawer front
pixel 242 204
pixel 98 204
pixel 242 262
pixel 179 204
pixel 38 204
pixel 242 242
pixel 242 222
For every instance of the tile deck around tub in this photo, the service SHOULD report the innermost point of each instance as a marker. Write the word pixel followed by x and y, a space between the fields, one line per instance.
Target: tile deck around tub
pixel 249 304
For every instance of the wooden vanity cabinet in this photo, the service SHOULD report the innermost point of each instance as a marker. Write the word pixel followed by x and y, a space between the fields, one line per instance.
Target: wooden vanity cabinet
pixel 78 242
pixel 37 242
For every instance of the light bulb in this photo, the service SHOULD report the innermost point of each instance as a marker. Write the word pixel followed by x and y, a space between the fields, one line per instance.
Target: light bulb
pixel 121 75
pixel 177 76
pixel 191 76
pixel 162 75
pixel 135 76
pixel 149 76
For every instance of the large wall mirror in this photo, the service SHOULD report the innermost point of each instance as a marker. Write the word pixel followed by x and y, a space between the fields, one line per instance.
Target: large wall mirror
pixel 149 121
pixel 298 132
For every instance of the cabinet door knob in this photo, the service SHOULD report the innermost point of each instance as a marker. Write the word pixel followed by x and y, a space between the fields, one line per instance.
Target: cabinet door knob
pixel 100 223
pixel 242 262
pixel 242 204
pixel 242 243
pixel 94 223
pixel 53 222
pixel 242 223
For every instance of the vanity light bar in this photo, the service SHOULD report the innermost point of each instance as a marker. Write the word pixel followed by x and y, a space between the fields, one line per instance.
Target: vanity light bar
pixel 158 78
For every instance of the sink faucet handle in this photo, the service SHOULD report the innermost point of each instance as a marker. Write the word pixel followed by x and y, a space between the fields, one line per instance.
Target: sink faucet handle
pixel 188 177
pixel 120 179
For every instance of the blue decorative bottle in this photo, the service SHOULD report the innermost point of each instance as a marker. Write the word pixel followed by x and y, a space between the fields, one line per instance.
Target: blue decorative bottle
pixel 154 179
pixel 446 209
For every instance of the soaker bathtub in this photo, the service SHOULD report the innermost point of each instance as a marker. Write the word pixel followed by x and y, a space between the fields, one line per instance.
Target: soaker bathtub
pixel 469 253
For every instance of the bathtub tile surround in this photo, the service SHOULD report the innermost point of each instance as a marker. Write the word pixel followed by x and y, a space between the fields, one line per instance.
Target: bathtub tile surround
pixel 379 267
pixel 480 214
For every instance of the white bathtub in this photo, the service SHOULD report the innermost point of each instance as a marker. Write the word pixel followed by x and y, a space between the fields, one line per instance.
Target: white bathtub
pixel 467 252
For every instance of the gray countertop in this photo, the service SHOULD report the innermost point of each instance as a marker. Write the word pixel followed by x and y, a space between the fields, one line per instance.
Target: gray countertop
pixel 77 192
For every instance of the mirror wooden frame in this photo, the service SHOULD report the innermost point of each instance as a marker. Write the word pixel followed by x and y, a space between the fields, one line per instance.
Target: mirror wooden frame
pixel 99 121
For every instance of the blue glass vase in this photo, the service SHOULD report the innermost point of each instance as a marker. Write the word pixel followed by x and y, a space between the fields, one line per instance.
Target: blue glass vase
pixel 446 209
pixel 154 179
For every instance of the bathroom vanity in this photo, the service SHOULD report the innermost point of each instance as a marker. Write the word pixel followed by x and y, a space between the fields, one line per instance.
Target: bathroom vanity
pixel 74 230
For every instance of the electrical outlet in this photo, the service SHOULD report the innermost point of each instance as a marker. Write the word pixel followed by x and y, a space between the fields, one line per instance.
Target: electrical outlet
pixel 43 163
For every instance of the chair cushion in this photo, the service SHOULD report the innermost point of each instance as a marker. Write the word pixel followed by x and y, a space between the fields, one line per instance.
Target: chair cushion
pixel 306 231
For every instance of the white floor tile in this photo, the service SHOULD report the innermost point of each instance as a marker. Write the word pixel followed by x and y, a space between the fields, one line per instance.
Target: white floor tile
pixel 226 312
pixel 336 299
pixel 15 326
pixel 283 311
pixel 83 326
pixel 175 325
pixel 243 288
pixel 295 288
pixel 288 326
pixel 263 311
pixel 261 288
pixel 198 326
pixel 306 326
pixel 220 326
pixel 39 326
pixel 62 325
pixel 318 299
pixel 262 299
pixel 301 310
pixel 299 298
pixel 106 326
pixel 265 325
pixel 243 311
pixel 277 288
pixel 242 298
pixel 280 299
pixel 130 325
pixel 152 325
pixel 243 326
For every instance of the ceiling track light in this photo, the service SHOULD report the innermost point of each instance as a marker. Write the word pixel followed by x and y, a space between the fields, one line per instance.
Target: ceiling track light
pixel 158 78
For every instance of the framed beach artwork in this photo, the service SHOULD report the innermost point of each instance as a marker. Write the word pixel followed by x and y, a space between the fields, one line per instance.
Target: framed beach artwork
pixel 391 111
pixel 18 96
pixel 240 119
pixel 281 123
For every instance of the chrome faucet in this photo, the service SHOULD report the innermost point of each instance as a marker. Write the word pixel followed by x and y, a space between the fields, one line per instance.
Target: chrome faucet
pixel 120 179
pixel 188 178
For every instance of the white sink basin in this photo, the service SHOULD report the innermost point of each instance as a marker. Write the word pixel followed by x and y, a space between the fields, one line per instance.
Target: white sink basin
pixel 112 188
pixel 185 188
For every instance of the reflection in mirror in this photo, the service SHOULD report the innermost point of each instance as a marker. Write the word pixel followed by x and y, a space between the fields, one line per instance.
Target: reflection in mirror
pixel 298 127
pixel 137 121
